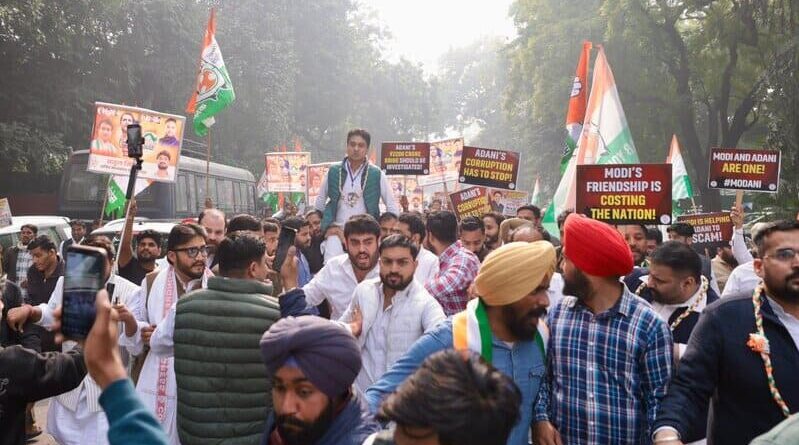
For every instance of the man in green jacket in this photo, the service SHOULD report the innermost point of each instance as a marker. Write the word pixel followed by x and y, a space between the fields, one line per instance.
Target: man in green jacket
pixel 222 392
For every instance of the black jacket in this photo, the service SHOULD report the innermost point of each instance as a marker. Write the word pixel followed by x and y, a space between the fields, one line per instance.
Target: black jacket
pixel 27 376
pixel 719 365
pixel 683 331
pixel 10 263
pixel 11 295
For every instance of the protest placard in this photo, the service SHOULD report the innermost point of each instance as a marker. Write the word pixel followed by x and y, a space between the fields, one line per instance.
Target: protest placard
pixel 163 138
pixel 489 167
pixel 5 213
pixel 286 172
pixel 405 158
pixel 737 169
pixel 407 186
pixel 711 230
pixel 506 202
pixel 316 174
pixel 445 162
pixel 625 193
pixel 472 201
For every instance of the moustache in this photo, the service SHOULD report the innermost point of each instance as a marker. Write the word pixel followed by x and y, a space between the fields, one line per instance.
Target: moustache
pixel 292 422
pixel 537 313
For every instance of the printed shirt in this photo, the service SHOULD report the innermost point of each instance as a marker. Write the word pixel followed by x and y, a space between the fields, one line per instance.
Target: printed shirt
pixel 457 269
pixel 607 373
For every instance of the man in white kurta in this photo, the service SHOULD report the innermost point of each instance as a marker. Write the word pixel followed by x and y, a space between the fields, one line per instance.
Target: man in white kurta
pixel 388 314
pixel 156 386
pixel 75 417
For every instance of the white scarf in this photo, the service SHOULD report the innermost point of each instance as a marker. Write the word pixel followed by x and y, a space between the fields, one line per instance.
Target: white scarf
pixel 164 289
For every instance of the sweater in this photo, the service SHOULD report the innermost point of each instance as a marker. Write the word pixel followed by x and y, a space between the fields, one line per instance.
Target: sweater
pixel 224 396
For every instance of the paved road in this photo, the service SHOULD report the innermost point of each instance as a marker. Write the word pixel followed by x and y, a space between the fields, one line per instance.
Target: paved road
pixel 41 420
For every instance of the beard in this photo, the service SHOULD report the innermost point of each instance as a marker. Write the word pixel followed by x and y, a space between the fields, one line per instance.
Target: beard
pixel 491 240
pixel 729 258
pixel 304 433
pixel 522 326
pixel 191 270
pixel 395 281
pixel 786 289
pixel 577 286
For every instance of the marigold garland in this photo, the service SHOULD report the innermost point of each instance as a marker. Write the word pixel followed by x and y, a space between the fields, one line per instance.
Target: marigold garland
pixel 759 343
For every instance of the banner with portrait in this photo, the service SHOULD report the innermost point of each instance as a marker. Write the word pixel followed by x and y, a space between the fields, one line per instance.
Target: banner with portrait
pixel 287 172
pixel 163 139
pixel 445 162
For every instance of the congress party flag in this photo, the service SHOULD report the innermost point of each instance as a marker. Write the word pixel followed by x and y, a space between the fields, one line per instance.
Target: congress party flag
pixel 213 91
pixel 117 187
pixel 536 199
pixel 605 138
pixel 681 183
pixel 577 103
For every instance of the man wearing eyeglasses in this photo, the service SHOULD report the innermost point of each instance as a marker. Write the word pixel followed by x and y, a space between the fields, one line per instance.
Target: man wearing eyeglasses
pixel 743 355
pixel 187 253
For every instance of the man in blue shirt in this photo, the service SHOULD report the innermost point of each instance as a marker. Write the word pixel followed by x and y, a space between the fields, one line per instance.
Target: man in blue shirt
pixel 502 325
pixel 610 355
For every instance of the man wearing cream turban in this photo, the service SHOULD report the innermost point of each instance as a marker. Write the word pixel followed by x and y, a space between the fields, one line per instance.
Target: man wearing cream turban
pixel 504 325
pixel 609 357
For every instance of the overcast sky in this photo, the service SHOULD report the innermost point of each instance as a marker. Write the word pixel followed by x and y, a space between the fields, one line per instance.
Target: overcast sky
pixel 423 30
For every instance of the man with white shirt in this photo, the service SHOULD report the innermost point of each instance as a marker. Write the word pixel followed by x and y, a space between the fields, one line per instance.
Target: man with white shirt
pixel 338 278
pixel 388 314
pixel 353 187
pixel 412 227
pixel 187 252
pixel 76 417
pixel 742 279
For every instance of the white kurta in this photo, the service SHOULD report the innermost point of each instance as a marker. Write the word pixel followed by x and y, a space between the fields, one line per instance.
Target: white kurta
pixel 426 267
pixel 344 210
pixel 76 417
pixel 335 282
pixel 153 313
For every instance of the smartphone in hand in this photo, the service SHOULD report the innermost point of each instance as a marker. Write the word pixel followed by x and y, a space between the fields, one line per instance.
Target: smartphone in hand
pixel 286 240
pixel 84 275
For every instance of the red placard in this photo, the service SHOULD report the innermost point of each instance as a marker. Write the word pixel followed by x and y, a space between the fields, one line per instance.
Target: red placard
pixel 405 158
pixel 737 169
pixel 472 201
pixel 711 230
pixel 489 167
pixel 625 193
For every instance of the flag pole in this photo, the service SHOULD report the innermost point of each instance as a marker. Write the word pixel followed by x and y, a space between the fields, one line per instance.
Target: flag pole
pixel 105 200
pixel 208 202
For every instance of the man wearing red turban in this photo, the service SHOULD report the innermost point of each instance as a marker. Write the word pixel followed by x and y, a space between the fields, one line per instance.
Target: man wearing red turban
pixel 609 358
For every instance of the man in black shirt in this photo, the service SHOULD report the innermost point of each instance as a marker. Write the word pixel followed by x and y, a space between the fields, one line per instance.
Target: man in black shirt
pixel 313 253
pixel 148 249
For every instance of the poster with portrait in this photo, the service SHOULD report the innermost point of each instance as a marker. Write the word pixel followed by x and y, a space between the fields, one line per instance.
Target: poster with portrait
pixel 445 162
pixel 163 139
pixel 316 174
pixel 407 185
pixel 287 172
pixel 506 202
pixel 5 213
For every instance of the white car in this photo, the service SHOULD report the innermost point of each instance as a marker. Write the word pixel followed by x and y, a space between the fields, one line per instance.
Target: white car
pixel 56 227
pixel 114 228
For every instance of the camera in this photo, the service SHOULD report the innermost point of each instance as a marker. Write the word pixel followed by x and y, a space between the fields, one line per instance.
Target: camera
pixel 135 141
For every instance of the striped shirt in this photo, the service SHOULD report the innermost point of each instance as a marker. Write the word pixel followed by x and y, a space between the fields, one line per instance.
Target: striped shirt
pixel 606 373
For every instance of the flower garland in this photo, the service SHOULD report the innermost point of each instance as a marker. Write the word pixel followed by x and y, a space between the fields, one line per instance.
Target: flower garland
pixel 758 342
pixel 689 309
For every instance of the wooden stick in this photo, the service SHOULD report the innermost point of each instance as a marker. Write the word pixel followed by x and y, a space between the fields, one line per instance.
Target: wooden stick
pixel 739 198
pixel 105 200
pixel 208 172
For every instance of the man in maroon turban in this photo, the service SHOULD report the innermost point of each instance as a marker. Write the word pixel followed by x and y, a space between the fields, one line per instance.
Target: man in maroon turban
pixel 609 358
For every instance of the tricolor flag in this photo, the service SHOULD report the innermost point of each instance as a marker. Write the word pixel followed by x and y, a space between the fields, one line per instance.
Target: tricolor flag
pixel 681 183
pixel 117 187
pixel 605 138
pixel 213 91
pixel 576 113
pixel 536 199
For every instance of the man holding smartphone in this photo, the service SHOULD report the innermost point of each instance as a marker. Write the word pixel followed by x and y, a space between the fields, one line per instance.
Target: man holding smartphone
pixel 187 252
pixel 76 417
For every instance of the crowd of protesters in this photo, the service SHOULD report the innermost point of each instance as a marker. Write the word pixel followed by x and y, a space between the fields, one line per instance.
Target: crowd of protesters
pixel 404 327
